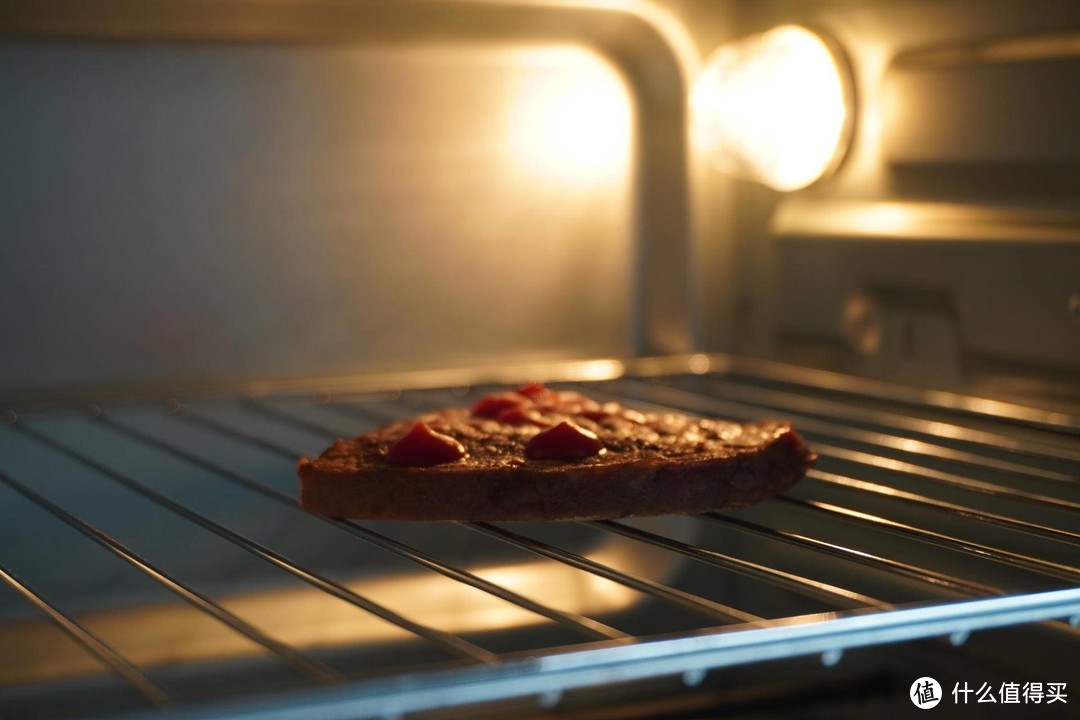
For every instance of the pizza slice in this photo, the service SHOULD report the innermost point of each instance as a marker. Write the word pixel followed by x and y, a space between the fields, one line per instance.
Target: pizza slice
pixel 543 454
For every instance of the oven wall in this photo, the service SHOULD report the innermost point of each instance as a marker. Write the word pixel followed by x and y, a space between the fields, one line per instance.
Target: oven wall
pixel 213 211
pixel 254 191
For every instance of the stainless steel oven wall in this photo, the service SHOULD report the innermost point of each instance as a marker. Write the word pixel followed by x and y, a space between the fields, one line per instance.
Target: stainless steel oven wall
pixel 946 247
pixel 250 190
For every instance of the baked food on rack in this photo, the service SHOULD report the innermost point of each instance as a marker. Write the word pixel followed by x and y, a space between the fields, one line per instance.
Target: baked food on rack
pixel 543 454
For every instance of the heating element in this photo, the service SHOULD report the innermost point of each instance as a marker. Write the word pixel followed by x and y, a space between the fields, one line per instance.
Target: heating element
pixel 154 560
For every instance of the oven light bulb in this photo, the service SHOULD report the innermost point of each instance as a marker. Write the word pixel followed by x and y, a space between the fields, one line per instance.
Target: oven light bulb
pixel 774 108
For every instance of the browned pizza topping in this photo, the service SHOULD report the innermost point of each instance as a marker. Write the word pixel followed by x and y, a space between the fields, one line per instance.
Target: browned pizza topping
pixel 564 442
pixel 422 447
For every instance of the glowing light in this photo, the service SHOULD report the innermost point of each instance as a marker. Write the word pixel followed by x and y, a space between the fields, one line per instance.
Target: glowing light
pixel 773 108
pixel 572 121
pixel 699 364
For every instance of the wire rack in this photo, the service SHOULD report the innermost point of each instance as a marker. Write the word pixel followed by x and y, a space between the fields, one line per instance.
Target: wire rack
pixel 155 561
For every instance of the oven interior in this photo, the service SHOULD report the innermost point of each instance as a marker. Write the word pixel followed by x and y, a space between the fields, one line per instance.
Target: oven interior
pixel 236 231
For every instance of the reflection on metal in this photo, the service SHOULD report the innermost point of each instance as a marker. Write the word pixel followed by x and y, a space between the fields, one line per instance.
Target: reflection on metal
pixel 1016 49
pixel 775 108
pixel 921 221
pixel 307 619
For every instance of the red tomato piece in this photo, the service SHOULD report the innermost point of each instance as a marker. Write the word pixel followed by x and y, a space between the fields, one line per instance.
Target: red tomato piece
pixel 564 441
pixel 422 447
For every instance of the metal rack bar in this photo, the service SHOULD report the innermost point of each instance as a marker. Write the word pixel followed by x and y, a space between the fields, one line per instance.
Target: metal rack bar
pixel 253 405
pixel 593 629
pixel 943 478
pixel 1043 567
pixel 789 581
pixel 828 636
pixel 587 626
pixel 556 671
pixel 311 669
pixel 195 418
pixel 930 577
pixel 871 460
pixel 883 418
pixel 952 508
pixel 892 392
pixel 450 643
pixel 964 588
pixel 89 642
pixel 692 602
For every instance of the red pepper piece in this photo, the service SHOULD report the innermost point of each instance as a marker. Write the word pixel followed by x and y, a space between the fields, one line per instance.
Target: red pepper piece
pixel 422 447
pixel 564 441
pixel 497 403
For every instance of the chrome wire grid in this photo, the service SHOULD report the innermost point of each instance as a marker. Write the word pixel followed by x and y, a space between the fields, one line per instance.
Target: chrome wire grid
pixel 149 549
